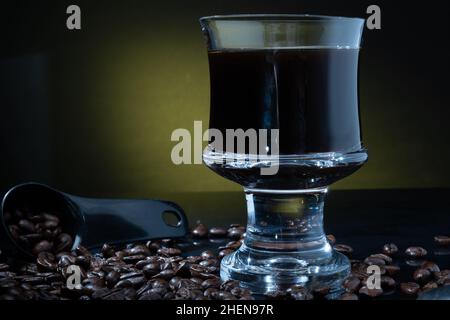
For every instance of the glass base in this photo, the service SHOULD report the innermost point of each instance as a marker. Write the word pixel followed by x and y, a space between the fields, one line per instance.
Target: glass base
pixel 285 244
pixel 265 271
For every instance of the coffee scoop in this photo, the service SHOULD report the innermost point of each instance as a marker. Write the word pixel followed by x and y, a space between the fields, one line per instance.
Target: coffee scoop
pixel 36 218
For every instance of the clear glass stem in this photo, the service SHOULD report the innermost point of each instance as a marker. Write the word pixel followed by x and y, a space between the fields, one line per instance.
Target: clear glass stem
pixel 286 222
pixel 285 244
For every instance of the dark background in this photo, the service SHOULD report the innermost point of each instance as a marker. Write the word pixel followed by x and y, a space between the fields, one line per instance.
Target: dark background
pixel 91 111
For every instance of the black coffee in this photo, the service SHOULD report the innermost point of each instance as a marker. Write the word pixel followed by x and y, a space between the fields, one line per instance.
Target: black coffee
pixel 310 95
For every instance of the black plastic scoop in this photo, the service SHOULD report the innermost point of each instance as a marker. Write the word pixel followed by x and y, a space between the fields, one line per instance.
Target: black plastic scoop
pixel 92 222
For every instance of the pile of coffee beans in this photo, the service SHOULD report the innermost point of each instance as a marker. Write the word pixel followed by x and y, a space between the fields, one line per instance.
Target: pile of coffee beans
pixel 159 270
pixel 37 232
pixel 426 276
pixel 151 271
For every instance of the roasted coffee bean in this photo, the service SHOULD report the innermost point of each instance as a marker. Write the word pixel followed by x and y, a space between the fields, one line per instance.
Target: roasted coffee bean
pixel 207 254
pixel 151 269
pixel 133 259
pixel 442 277
pixel 165 274
pixel 112 278
pixel 37 218
pixel 233 245
pixel 92 284
pixel 422 275
pixel 387 259
pixel 159 291
pixel 150 295
pixel 210 292
pixel 46 261
pixel 123 284
pixel 352 284
pixel 184 294
pixel 331 239
pixel 217 232
pixel 211 283
pixel 64 242
pixel 169 251
pixel 33 238
pixel 50 217
pixel 209 262
pixel 26 225
pixel 107 251
pixel 14 231
pixel 197 281
pixel 416 263
pixel 139 250
pixel 169 296
pixel 82 251
pixel 224 295
pixel 4 267
pixel 200 231
pixel 239 292
pixel 409 288
pixel 153 246
pixel 229 284
pixel 430 266
pixel 321 292
pixel 166 265
pixel 142 263
pixel 8 283
pixel 119 254
pixel 387 282
pixel 83 261
pixel 65 261
pixel 189 284
pixel 33 280
pixel 390 249
pixel 182 269
pixel 442 240
pixel 194 259
pixel 137 281
pixel 349 296
pixel 42 246
pixel 173 283
pixel 224 252
pixel 374 261
pixel 391 269
pixel 343 248
pixel 370 292
pixel 429 286
pixel 275 295
pixel 235 232
pixel 56 232
pixel 415 252
pixel 50 224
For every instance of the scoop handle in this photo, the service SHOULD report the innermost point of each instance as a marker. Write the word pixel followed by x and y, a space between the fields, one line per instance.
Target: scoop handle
pixel 125 221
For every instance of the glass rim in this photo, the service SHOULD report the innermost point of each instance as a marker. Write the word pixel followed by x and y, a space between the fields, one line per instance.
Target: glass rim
pixel 277 17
